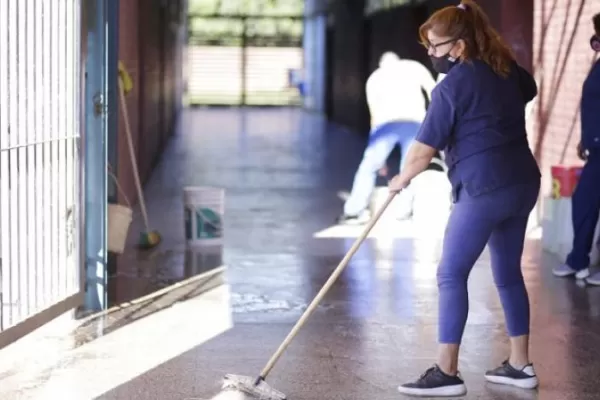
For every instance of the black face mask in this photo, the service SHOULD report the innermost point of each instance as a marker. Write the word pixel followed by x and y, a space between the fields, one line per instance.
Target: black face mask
pixel 595 43
pixel 444 63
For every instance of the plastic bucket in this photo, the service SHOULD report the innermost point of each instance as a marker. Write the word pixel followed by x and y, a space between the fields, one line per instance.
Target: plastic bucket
pixel 119 220
pixel 203 214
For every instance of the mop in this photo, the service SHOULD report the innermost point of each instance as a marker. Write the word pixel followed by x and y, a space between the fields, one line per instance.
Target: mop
pixel 149 238
pixel 257 387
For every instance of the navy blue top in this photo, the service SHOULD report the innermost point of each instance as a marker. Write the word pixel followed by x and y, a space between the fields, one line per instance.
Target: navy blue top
pixel 590 110
pixel 478 118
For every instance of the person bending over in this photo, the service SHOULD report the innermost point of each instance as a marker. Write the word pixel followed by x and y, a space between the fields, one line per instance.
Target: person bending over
pixel 395 98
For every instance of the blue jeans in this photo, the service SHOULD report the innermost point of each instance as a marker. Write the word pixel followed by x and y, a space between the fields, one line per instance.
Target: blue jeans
pixel 498 219
pixel 585 206
pixel 382 140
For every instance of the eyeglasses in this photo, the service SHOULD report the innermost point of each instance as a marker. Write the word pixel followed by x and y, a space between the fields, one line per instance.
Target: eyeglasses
pixel 434 46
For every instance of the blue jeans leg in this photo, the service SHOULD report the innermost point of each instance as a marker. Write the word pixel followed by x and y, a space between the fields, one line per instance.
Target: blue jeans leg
pixel 375 156
pixel 407 133
pixel 382 141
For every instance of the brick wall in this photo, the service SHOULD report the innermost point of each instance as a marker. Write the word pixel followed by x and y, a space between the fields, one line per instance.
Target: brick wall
pixel 151 95
pixel 515 25
pixel 147 46
pixel 129 55
pixel 561 60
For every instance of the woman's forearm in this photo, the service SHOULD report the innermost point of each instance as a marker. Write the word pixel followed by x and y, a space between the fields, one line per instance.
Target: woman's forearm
pixel 417 160
pixel 413 167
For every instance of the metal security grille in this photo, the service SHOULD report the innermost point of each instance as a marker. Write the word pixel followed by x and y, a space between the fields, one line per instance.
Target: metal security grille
pixel 243 60
pixel 39 163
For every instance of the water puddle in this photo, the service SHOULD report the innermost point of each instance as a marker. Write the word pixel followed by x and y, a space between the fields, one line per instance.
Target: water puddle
pixel 248 303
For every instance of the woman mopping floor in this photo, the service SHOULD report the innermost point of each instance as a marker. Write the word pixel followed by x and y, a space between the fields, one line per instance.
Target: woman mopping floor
pixel 477 116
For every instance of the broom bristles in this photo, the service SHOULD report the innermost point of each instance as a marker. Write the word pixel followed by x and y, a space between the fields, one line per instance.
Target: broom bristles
pixel 246 384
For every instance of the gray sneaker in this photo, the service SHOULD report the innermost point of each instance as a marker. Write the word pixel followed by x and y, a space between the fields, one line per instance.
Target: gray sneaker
pixel 564 270
pixel 593 279
pixel 506 374
pixel 435 383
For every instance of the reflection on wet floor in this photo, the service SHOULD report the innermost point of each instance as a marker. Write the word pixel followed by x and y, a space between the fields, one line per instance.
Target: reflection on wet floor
pixel 247 302
pixel 282 170
pixel 126 313
pixel 143 273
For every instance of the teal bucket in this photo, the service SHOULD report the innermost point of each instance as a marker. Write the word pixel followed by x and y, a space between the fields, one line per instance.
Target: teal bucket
pixel 203 214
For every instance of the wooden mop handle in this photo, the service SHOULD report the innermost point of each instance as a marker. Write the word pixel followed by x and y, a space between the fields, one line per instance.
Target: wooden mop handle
pixel 336 273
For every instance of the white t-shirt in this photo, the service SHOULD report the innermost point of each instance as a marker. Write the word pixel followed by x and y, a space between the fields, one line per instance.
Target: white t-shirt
pixel 395 91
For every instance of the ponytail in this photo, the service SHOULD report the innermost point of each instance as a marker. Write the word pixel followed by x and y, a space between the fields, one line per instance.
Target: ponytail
pixel 488 44
pixel 468 22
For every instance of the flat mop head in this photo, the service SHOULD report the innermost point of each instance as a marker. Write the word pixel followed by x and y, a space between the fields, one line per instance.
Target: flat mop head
pixel 149 240
pixel 246 384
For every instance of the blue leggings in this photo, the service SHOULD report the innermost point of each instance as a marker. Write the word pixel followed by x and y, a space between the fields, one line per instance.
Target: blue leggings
pixel 498 219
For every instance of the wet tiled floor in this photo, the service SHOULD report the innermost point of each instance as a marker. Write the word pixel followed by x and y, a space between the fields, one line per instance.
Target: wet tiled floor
pixel 282 170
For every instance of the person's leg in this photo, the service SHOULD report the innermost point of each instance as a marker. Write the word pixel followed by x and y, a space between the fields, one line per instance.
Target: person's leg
pixel 506 250
pixel 407 132
pixel 381 144
pixel 469 227
pixel 594 279
pixel 584 214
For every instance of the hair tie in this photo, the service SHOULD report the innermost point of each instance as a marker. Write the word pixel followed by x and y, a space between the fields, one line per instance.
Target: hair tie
pixel 462 6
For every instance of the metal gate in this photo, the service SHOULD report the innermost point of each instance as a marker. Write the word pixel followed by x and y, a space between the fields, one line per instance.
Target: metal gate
pixel 39 163
pixel 243 59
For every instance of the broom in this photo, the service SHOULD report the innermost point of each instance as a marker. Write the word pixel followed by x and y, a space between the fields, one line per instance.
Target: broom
pixel 257 387
pixel 149 238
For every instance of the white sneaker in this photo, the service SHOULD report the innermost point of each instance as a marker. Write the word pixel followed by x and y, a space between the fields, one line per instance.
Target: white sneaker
pixel 593 279
pixel 564 270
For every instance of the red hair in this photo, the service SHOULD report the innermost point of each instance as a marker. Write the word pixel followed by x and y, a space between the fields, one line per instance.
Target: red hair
pixel 469 23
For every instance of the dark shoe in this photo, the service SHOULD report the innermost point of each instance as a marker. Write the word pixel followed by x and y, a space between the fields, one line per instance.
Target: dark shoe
pixel 359 219
pixel 435 383
pixel 506 374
